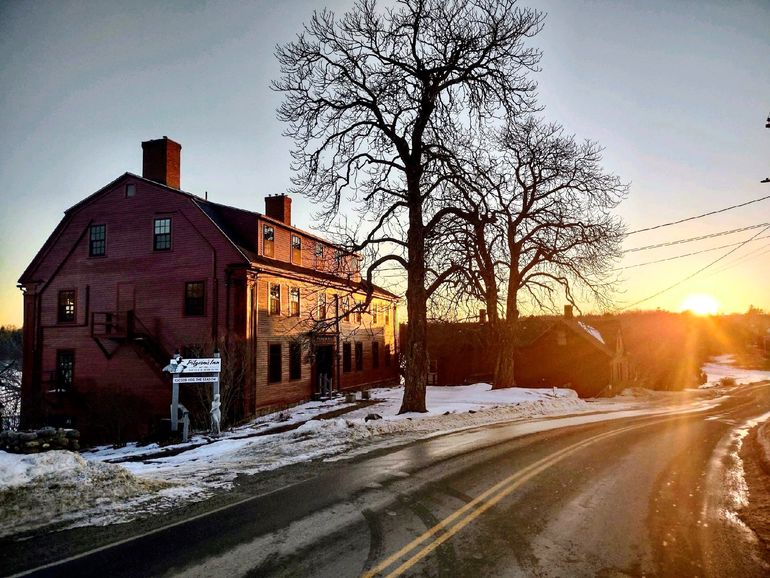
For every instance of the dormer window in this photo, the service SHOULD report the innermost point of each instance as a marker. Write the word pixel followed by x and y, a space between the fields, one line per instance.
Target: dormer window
pixel 296 250
pixel 268 241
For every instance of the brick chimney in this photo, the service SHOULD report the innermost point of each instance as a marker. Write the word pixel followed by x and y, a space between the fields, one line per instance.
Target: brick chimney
pixel 568 312
pixel 278 207
pixel 161 161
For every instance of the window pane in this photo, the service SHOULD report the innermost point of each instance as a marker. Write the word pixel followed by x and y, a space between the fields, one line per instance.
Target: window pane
pixel 275 299
pixel 268 239
pixel 97 240
pixel 346 357
pixel 274 363
pixel 65 369
pixel 162 235
pixel 295 360
pixel 66 306
pixel 195 298
pixel 294 302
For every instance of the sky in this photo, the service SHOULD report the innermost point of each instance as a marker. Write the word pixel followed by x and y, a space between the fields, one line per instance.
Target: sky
pixel 676 92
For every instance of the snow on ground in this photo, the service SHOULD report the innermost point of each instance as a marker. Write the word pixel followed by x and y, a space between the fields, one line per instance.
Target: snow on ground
pixel 61 486
pixel 93 491
pixel 722 366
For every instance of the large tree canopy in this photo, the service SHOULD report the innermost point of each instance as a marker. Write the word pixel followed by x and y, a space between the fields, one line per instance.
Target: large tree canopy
pixel 376 102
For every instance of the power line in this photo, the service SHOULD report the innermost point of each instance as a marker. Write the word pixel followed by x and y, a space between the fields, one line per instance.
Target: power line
pixel 730 208
pixel 691 239
pixel 688 254
pixel 699 271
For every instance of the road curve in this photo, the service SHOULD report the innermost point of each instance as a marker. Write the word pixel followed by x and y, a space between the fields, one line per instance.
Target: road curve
pixel 638 496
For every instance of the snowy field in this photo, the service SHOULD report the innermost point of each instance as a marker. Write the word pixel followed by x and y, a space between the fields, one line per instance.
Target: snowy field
pixel 94 490
pixel 722 366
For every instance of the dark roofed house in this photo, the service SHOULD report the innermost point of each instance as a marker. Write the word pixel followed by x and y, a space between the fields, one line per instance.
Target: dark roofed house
pixel 550 352
pixel 141 269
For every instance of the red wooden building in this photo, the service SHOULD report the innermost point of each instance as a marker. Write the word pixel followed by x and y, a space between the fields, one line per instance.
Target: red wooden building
pixel 141 269
pixel 561 352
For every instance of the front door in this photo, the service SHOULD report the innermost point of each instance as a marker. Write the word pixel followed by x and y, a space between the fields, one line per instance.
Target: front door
pixel 324 368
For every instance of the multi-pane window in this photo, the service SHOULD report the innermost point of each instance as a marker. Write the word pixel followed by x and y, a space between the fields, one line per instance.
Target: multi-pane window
pixel 195 298
pixel 346 357
pixel 387 355
pixel 295 360
pixel 319 254
pixel 65 369
pixel 375 312
pixel 359 306
pixel 296 250
pixel 66 309
pixel 268 241
pixel 274 368
pixel 359 356
pixel 97 240
pixel 294 302
pixel 322 306
pixel 346 308
pixel 375 354
pixel 387 314
pixel 162 234
pixel 275 299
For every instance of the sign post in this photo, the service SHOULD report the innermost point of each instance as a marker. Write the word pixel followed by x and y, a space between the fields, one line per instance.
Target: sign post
pixel 178 366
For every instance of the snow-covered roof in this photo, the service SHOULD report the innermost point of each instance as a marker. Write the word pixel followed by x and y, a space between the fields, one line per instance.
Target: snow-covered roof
pixel 592 331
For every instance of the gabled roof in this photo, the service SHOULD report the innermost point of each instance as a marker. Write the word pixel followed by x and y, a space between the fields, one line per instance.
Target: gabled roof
pixel 580 328
pixel 239 227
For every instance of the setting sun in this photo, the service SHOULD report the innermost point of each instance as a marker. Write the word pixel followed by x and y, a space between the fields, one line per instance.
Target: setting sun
pixel 700 304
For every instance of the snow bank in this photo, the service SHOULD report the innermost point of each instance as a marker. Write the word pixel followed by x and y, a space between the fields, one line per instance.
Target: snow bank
pixel 57 486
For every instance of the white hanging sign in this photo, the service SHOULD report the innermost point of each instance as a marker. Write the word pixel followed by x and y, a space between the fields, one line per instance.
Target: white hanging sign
pixel 202 365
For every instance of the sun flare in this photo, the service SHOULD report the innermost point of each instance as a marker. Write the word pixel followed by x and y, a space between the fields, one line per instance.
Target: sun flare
pixel 700 304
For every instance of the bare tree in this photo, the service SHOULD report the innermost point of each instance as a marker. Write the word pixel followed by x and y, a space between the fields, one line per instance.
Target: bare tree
pixel 539 228
pixel 373 101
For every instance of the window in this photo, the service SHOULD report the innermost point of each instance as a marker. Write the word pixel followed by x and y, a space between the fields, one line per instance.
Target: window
pixel 130 190
pixel 66 306
pixel 322 306
pixel 359 306
pixel 346 350
pixel 338 260
pixel 387 314
pixel 97 240
pixel 274 369
pixel 375 354
pixel 346 308
pixel 359 356
pixel 65 369
pixel 294 302
pixel 275 299
pixel 162 235
pixel 195 298
pixel 387 355
pixel 296 250
pixel 319 254
pixel 295 360
pixel 375 311
pixel 268 241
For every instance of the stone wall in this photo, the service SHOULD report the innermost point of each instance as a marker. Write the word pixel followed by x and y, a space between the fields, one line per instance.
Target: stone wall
pixel 42 440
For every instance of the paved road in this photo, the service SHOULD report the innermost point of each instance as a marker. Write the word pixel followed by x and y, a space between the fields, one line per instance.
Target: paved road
pixel 630 497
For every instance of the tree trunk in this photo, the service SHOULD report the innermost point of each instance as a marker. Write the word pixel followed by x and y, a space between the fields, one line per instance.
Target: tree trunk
pixel 415 351
pixel 504 368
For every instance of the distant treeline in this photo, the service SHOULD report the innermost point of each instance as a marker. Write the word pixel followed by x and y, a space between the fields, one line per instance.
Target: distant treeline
pixel 10 343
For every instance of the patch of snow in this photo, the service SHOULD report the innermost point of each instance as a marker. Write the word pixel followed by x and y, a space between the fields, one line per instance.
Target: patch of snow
pixel 592 331
pixel 721 366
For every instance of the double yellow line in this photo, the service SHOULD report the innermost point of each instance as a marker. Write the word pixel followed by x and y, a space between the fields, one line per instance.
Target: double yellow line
pixel 452 524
